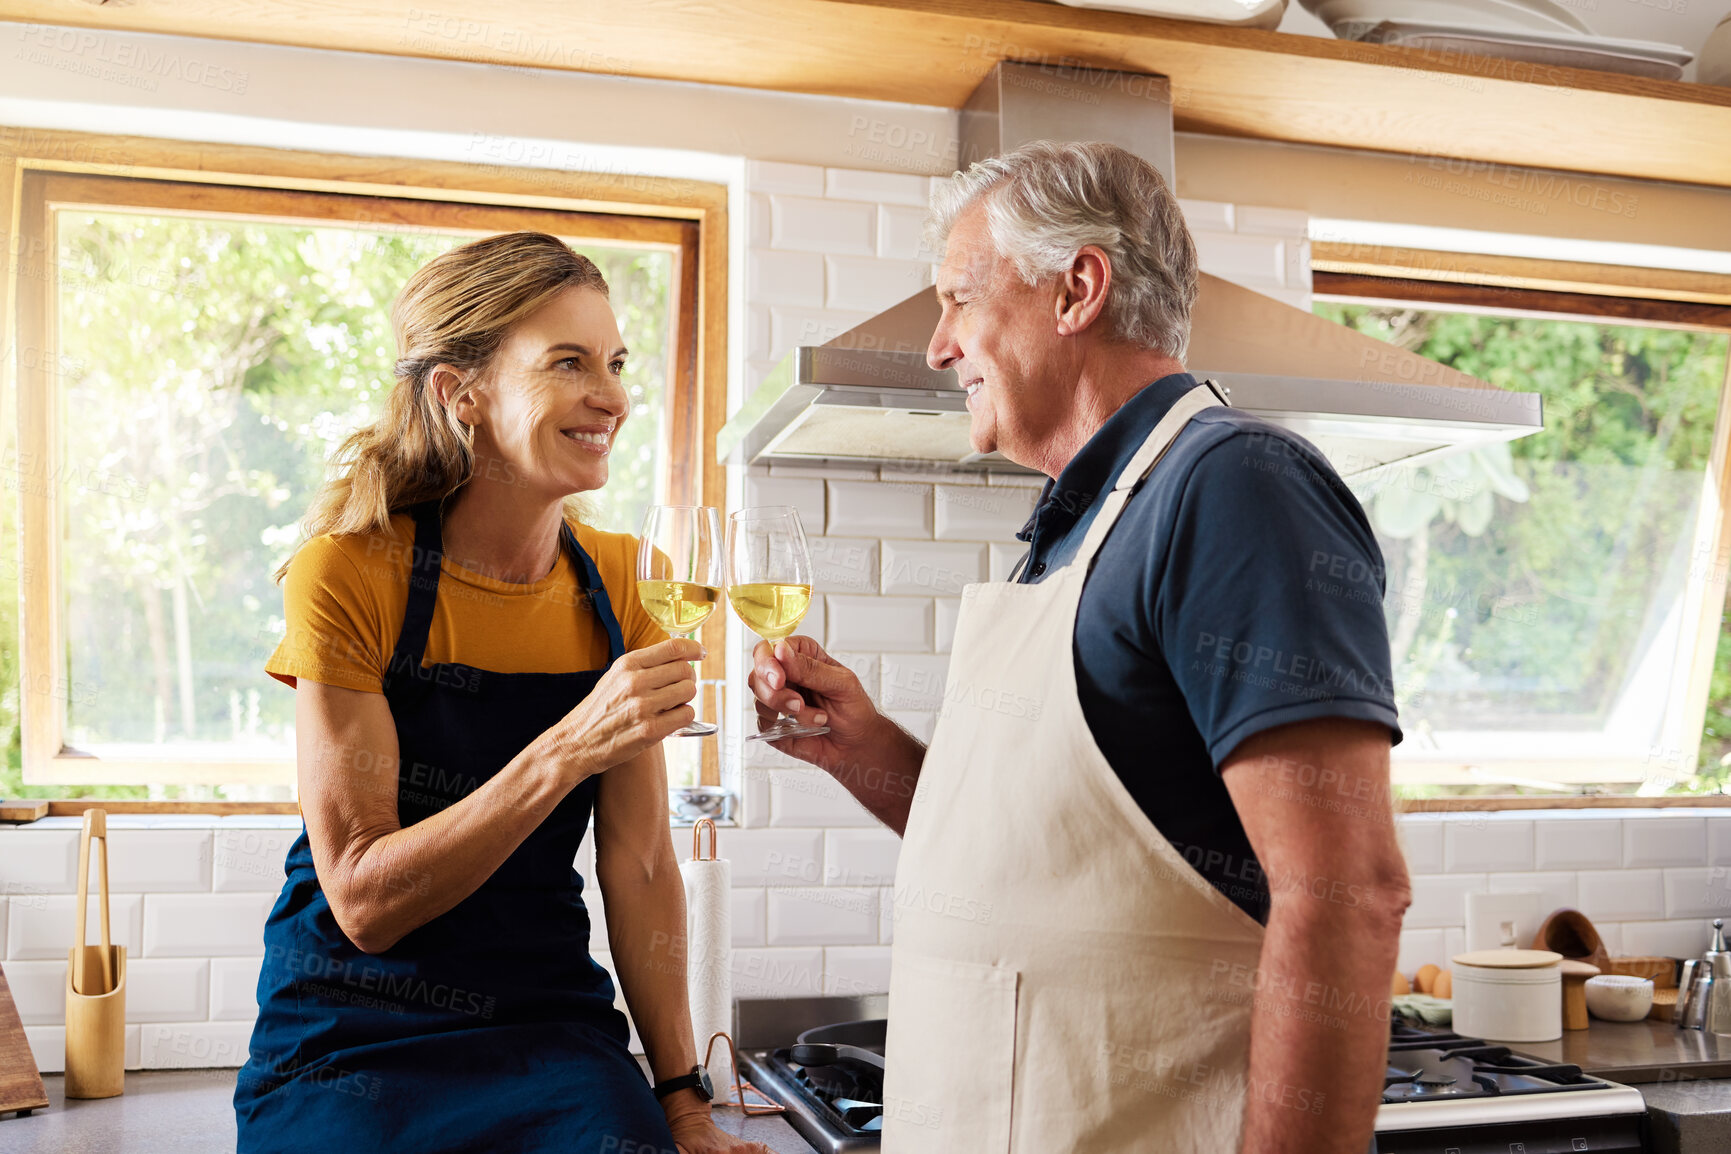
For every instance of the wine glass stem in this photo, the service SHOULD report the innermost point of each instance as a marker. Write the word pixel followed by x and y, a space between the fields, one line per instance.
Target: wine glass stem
pixel 691 635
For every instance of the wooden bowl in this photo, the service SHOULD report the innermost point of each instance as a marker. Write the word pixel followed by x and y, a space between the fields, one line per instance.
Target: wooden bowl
pixel 1571 934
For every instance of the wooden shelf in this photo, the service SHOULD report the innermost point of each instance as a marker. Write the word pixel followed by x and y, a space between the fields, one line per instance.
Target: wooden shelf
pixel 1242 82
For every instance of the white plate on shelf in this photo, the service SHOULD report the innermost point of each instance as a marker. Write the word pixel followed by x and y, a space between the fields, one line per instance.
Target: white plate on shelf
pixel 1556 50
pixel 1242 13
pixel 1505 15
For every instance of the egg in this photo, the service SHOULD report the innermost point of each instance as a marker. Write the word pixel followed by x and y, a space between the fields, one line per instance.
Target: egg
pixel 1399 985
pixel 1444 984
pixel 1426 976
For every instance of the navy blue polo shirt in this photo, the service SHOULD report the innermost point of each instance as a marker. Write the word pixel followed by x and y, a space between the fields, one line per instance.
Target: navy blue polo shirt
pixel 1240 589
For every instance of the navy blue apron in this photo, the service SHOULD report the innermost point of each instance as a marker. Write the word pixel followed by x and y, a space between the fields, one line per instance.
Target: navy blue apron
pixel 490 1027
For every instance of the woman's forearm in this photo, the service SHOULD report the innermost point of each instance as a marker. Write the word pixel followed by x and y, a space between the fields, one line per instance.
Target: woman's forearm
pixel 384 884
pixel 645 901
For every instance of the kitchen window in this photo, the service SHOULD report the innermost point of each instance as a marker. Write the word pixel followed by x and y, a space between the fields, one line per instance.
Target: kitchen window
pixel 1553 604
pixel 190 355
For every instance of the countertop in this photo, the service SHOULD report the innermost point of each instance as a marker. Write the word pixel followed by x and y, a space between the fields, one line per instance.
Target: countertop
pixel 1679 1072
pixel 1689 1117
pixel 192 1112
pixel 1638 1052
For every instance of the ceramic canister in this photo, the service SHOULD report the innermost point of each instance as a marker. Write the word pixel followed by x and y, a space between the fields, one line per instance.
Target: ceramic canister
pixel 1713 64
pixel 1509 995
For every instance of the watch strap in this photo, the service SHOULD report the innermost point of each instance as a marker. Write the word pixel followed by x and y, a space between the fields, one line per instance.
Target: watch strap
pixel 689 1081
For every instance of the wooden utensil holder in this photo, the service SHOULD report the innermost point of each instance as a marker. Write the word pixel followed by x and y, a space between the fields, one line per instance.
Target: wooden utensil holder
pixel 95 987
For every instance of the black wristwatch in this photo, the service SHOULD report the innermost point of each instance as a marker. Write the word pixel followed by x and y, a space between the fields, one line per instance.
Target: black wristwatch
pixel 697 1080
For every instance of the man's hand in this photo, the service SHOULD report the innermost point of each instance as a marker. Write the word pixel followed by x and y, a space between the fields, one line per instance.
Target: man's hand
pixel 875 759
pixel 798 678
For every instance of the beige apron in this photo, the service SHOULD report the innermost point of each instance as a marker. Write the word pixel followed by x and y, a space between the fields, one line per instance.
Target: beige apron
pixel 1062 980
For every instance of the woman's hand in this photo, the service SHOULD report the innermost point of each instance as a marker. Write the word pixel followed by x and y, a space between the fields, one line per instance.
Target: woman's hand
pixel 695 1131
pixel 641 699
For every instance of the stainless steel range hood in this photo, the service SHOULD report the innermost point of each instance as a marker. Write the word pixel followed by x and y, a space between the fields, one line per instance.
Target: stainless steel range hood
pixel 868 395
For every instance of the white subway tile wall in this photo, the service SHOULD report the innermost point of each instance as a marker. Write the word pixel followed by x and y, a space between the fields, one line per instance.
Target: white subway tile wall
pixel 167 989
pixel 1669 841
pixel 234 988
pixel 1488 845
pixel 1623 895
pixel 1440 901
pixel 1646 878
pixel 189 905
pixel 820 915
pixel 1556 890
pixel 1423 843
pixel 1587 844
pixel 41 926
pixel 877 508
pixel 205 925
pixel 853 971
pixel 42 861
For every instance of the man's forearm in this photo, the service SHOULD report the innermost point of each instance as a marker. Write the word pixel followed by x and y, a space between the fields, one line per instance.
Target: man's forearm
pixel 883 774
pixel 1319 1024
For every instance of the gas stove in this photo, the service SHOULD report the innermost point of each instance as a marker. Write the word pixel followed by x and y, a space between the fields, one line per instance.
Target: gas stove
pixel 836 1103
pixel 1443 1094
pixel 1455 1095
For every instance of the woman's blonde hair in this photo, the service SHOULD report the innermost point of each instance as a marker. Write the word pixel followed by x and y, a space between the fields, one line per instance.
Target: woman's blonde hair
pixel 456 310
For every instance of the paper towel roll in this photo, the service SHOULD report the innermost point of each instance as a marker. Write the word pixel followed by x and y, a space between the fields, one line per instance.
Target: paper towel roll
pixel 708 963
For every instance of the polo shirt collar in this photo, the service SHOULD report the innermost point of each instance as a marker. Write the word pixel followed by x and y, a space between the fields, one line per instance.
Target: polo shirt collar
pixel 1066 501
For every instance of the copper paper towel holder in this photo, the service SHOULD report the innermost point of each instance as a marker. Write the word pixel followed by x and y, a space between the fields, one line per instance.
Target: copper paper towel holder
pixel 697 840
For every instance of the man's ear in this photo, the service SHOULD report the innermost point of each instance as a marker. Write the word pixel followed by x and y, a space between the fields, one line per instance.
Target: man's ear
pixel 1082 288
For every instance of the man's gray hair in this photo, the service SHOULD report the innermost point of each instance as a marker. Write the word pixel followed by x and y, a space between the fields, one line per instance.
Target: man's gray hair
pixel 1046 200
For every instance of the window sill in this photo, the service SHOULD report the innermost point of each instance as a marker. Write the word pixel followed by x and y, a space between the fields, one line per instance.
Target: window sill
pixel 167 821
pixel 1412 805
pixel 263 818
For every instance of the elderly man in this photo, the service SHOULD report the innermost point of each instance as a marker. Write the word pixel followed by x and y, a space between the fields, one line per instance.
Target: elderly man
pixel 1149 892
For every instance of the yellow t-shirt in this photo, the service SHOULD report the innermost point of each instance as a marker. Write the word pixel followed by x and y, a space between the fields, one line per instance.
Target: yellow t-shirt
pixel 344 598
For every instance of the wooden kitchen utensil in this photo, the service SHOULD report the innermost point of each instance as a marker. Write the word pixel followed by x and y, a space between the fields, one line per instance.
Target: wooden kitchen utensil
pixel 1572 935
pixel 95 987
pixel 1575 975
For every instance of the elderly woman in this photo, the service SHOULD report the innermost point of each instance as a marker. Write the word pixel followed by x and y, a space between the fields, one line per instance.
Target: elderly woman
pixel 475 680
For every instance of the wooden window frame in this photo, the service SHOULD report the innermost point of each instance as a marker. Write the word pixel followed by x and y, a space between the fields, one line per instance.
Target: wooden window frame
pixel 42 171
pixel 1353 274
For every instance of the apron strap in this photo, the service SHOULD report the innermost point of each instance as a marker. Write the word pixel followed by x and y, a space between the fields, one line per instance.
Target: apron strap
pixel 1203 396
pixel 423 594
pixel 424 588
pixel 589 577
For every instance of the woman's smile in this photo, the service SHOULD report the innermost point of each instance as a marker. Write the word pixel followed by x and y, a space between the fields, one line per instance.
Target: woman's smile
pixel 598 441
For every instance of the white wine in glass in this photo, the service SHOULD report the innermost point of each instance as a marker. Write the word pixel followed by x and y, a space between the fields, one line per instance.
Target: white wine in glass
pixel 769 586
pixel 679 570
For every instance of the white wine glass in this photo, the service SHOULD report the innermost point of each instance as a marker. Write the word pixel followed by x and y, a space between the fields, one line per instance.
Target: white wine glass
pixel 679 571
pixel 769 586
